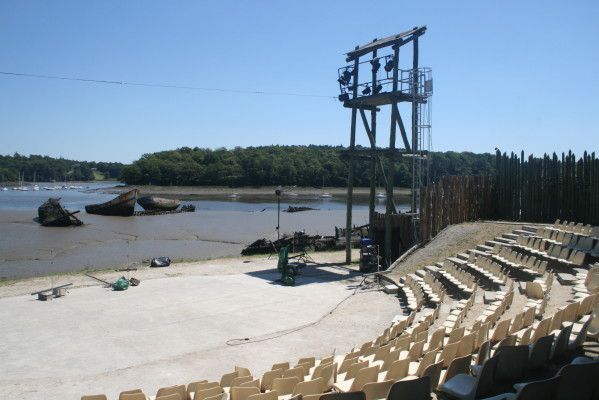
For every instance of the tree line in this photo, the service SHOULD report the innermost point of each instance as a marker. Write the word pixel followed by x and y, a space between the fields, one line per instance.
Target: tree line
pixel 47 169
pixel 283 165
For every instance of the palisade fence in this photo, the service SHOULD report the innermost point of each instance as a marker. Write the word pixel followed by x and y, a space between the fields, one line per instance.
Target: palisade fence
pixel 523 189
pixel 452 200
pixel 548 188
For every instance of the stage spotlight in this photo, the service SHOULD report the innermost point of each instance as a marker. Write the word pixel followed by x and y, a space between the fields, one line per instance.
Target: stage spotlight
pixel 389 66
pixel 366 90
pixel 375 64
pixel 378 88
pixel 347 75
pixel 344 97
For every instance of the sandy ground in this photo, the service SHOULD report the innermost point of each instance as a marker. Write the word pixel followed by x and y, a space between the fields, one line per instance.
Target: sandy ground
pixel 28 249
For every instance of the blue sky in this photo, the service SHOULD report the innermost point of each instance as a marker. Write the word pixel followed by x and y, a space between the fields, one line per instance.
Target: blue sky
pixel 510 74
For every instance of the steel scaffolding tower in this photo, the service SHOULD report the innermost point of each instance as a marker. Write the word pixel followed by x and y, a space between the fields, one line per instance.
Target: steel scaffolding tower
pixel 385 83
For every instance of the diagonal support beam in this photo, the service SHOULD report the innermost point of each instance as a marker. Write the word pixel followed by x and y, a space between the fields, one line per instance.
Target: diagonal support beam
pixel 402 128
pixel 373 146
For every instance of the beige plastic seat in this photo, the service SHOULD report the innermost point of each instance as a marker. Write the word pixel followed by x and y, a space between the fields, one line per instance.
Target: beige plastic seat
pixel 459 365
pixel 328 373
pixel 416 368
pixel 268 377
pixel 500 331
pixel 542 329
pixel 242 393
pixel 397 370
pixel 283 365
pixel 455 335
pixel 364 376
pixel 377 390
pixel 221 396
pixel 391 357
pixel 94 397
pixel 466 345
pixel 297 372
pixel 173 396
pixel 241 380
pixel 436 340
pixel 133 396
pixel 306 388
pixel 255 383
pixel 352 371
pixel 126 393
pixel 177 389
pixel 308 360
pixel 204 394
pixel 272 395
pixel 414 353
pixel 448 353
pixel 242 371
pixel 191 387
pixel 285 386
pixel 433 371
pixel 227 379
pixel 525 337
pixel 346 363
pixel 307 368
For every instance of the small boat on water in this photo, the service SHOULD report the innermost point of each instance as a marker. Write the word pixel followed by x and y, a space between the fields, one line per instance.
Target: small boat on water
pixel 121 206
pixel 4 189
pixel 381 195
pixel 325 196
pixel 234 196
pixel 152 203
pixel 51 213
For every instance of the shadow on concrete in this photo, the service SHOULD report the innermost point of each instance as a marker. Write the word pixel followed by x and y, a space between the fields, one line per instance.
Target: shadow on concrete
pixel 311 273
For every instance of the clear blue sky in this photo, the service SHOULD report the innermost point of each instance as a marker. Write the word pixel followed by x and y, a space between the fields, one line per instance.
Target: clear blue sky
pixel 508 74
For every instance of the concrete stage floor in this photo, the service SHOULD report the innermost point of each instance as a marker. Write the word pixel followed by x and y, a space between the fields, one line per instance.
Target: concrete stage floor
pixel 177 329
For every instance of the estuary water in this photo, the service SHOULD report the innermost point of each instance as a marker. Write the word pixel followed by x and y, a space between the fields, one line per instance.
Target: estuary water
pixel 220 227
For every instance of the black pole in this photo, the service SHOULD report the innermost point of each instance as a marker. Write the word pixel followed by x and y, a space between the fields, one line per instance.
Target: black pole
pixel 278 193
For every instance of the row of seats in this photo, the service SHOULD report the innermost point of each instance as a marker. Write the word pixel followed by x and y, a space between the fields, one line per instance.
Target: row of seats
pixel 431 287
pixel 575 241
pixel 574 227
pixel 486 268
pixel 552 252
pixel 458 278
pixel 413 293
pixel 518 262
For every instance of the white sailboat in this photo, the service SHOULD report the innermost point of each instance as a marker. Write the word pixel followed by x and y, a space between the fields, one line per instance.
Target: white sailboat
pixel 324 195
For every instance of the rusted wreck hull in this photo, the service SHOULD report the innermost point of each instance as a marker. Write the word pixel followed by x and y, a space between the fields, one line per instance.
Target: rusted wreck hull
pixel 151 203
pixel 121 206
pixel 51 213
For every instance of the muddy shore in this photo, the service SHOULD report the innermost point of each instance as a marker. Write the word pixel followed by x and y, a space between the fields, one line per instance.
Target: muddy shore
pixel 28 249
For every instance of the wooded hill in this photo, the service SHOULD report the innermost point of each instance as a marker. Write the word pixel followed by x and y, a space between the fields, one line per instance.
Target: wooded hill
pixel 282 165
pixel 46 169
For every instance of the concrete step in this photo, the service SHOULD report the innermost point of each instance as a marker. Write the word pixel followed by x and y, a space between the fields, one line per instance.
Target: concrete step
pixel 478 252
pixel 510 236
pixel 521 232
pixel 484 248
pixel 503 240
pixel 530 229
pixel 390 289
pixel 463 256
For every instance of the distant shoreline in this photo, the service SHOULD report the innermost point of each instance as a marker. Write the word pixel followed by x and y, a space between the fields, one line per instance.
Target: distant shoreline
pixel 249 191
